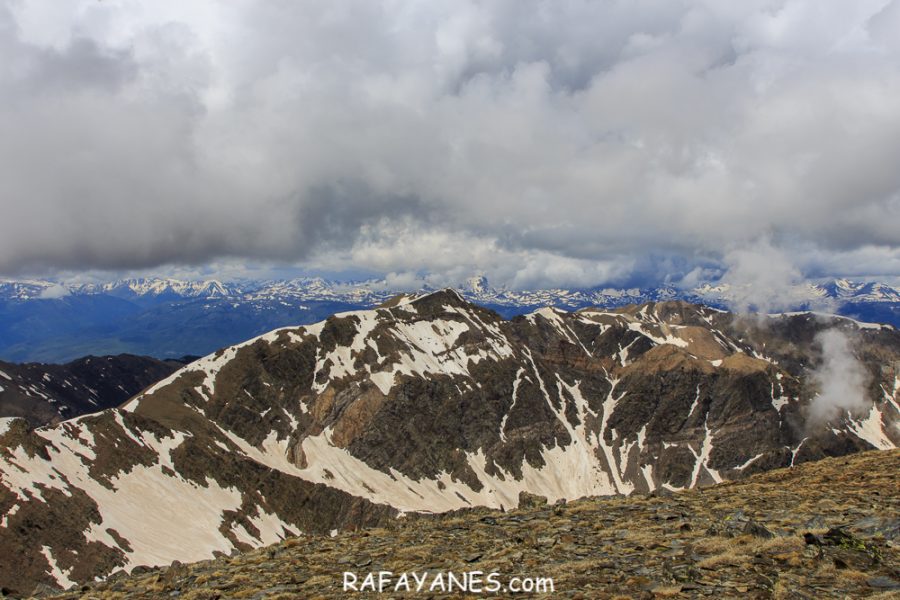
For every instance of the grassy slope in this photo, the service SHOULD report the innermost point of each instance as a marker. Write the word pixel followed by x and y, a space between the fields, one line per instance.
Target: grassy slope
pixel 690 544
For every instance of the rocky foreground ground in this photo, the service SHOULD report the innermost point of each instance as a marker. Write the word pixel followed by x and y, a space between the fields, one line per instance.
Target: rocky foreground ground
pixel 829 529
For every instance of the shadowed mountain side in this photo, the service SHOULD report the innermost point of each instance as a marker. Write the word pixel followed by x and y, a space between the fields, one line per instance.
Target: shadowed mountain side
pixel 48 393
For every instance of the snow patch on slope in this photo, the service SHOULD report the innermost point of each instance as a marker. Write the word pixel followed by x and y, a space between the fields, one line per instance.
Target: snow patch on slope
pixel 702 458
pixel 61 577
pixel 515 395
pixel 427 348
pixel 748 463
pixel 569 472
pixel 163 517
pixel 871 430
pixel 665 338
pixel 6 423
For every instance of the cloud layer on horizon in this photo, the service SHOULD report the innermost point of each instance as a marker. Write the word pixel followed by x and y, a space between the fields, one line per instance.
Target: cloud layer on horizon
pixel 571 143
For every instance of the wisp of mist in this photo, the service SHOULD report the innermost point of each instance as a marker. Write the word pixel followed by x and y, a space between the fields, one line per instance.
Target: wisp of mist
pixel 763 279
pixel 841 379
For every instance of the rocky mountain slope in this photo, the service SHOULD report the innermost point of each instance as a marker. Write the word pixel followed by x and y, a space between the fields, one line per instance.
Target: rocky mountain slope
pixel 47 393
pixel 825 529
pixel 426 404
pixel 51 322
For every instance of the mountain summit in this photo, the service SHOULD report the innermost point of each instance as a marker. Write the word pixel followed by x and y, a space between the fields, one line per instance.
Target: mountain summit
pixel 428 404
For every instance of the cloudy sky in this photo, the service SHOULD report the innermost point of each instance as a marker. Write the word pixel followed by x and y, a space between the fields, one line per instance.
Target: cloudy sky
pixel 542 143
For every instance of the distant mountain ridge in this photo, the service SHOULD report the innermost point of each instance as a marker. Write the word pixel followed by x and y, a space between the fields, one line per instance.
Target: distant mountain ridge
pixel 476 289
pixel 42 393
pixel 51 322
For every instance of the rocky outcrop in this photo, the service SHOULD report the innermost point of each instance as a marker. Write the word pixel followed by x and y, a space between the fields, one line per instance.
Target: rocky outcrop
pixel 425 405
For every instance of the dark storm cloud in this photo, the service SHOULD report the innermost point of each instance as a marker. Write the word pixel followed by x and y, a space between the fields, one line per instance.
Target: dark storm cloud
pixel 544 143
pixel 331 217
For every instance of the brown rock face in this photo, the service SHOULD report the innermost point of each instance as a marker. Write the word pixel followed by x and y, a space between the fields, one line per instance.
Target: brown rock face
pixel 426 405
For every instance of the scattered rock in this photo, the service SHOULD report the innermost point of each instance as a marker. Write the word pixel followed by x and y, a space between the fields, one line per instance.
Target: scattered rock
pixel 363 561
pixel 816 522
pixel 887 528
pixel 755 529
pixel 883 583
pixel 527 500
pixel 42 590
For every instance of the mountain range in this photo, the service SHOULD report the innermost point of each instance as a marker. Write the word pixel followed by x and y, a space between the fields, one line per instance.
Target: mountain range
pixel 427 403
pixel 46 321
